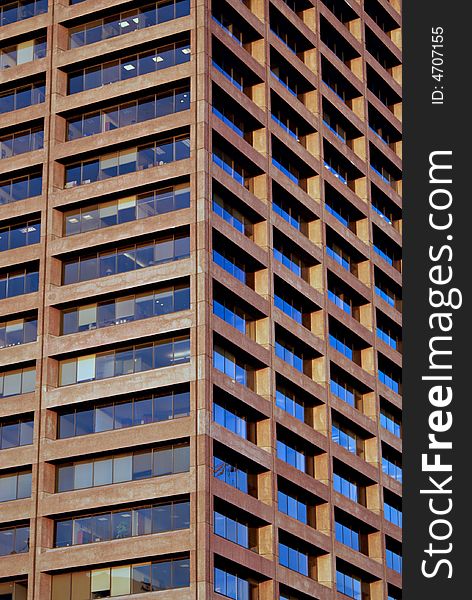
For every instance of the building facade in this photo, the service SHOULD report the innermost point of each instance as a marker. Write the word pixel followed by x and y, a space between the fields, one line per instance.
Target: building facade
pixel 200 299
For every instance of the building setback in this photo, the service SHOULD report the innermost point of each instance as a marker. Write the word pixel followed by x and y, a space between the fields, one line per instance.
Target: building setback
pixel 200 299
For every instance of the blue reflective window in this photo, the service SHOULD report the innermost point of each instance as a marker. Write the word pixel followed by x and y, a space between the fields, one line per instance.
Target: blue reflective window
pixel 290 403
pixel 229 419
pixel 340 346
pixel 332 297
pixel 288 355
pixel 231 529
pixel 293 559
pixel 291 456
pixel 347 536
pixel 293 507
pixel 345 487
pixel 348 585
pixel 231 474
pixel 393 514
pixel 344 438
pixel 342 391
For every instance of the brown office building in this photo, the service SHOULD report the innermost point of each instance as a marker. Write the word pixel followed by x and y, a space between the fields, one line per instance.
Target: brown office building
pixel 200 299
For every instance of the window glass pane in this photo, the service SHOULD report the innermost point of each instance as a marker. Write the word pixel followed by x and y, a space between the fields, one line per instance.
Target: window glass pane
pixel 65 478
pixel 81 585
pixel 163 462
pixel 86 368
pixel 161 576
pixel 100 582
pixel 123 415
pixel 63 533
pixel 28 381
pixel 144 306
pixel 83 475
pixel 104 418
pixel 125 309
pixel 162 518
pixel 142 524
pixel 10 435
pixel 8 488
pixel 142 465
pixel 181 404
pixel 181 515
pixel 121 525
pixel 181 459
pixel 84 422
pixel 120 581
pixel 7 543
pixel 12 383
pixel 122 468
pixel 181 574
pixel 141 579
pixel 24 485
pixel 163 408
pixel 61 587
pixel 102 471
pixel 142 411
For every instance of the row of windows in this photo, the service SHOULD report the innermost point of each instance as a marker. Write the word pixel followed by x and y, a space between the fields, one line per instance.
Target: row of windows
pixel 124 310
pixel 232 315
pixel 393 560
pixel 348 585
pixel 18 236
pixel 392 469
pixel 21 9
pixel 16 433
pixel 228 364
pixel 14 540
pixel 14 590
pixel 19 381
pixel 136 578
pixel 231 529
pixel 125 22
pixel 123 260
pixel 129 67
pixel 119 468
pixel 230 264
pixel 125 361
pixel 290 455
pixel 232 216
pixel 231 474
pixel 18 331
pixel 289 307
pixel 128 161
pixel 231 585
pixel 22 53
pixel 17 283
pixel 289 354
pixel 121 524
pixel 230 420
pixel 22 97
pixel 21 142
pixel 293 507
pixel 393 514
pixel 125 210
pixel 15 486
pixel 122 115
pixel 20 188
pixel 117 415
pixel 293 559
pixel 288 402
pixel 347 536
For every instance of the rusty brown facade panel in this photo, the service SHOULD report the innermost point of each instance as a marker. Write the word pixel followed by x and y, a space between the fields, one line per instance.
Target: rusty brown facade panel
pixel 293 266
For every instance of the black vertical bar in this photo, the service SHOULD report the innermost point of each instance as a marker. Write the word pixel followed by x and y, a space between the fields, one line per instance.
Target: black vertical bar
pixel 437 119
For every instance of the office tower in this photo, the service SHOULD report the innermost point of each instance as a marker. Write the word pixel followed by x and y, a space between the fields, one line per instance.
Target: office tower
pixel 200 313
